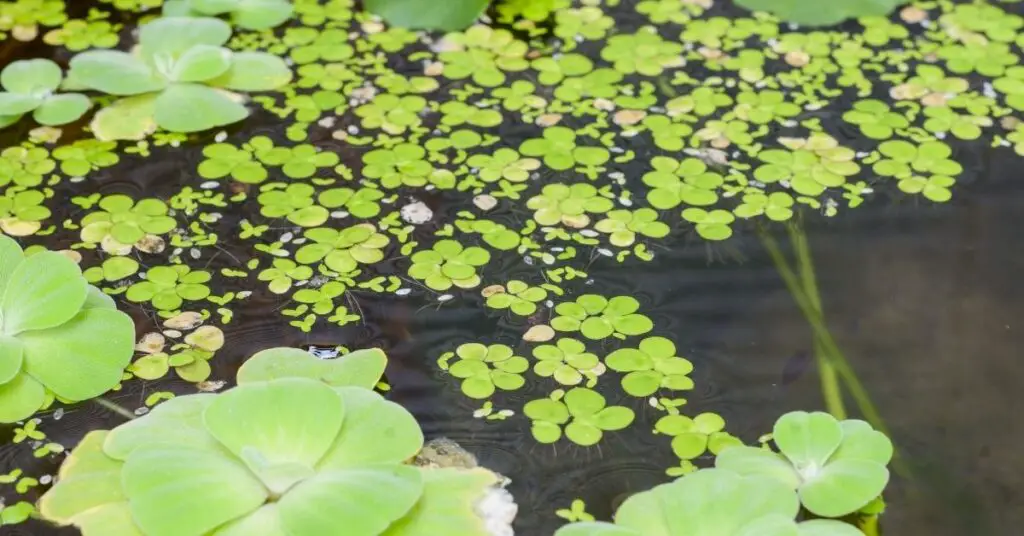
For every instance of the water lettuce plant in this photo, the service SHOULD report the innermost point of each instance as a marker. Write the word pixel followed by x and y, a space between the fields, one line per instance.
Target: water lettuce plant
pixel 836 467
pixel 711 502
pixel 59 336
pixel 248 14
pixel 427 14
pixel 300 447
pixel 180 79
pixel 811 13
pixel 29 86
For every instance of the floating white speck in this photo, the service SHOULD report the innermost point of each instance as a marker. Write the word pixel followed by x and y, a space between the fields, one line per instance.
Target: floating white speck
pixel 528 260
pixel 300 240
pixel 403 291
pixel 497 508
pixel 445 297
pixel 194 253
pixel 220 137
pixel 141 411
pixel 45 479
pixel 76 179
pixel 605 252
pixel 416 213
pixel 338 214
pixel 287 237
pixel 625 202
pixel 58 414
pixel 485 202
pixel 244 294
pixel 940 135
pixel 352 129
pixel 209 185
pixel 589 233
pixel 327 122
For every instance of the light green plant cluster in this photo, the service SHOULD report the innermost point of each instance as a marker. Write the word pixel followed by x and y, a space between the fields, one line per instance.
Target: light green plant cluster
pixel 60 338
pixel 301 446
pixel 830 468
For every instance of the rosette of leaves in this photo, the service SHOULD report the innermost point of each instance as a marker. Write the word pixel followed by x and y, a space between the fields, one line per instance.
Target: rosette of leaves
pixel 22 211
pixel 121 223
pixel 711 502
pixel 167 287
pixel 59 336
pixel 567 361
pixel 836 467
pixel 190 358
pixel 283 273
pixel 25 166
pixel 296 438
pixel 248 14
pixel 29 86
pixel 518 297
pixel 568 205
pixel 710 224
pixel 623 225
pixel 583 412
pixel 652 366
pixel 484 368
pixel 343 250
pixel 811 13
pixel 293 202
pixel 180 79
pixel 448 263
pixel 674 182
pixel 693 437
pixel 597 317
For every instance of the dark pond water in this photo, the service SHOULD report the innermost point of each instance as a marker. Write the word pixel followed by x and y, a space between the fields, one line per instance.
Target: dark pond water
pixel 925 300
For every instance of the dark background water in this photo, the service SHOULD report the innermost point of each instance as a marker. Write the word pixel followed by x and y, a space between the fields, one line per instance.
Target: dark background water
pixel 924 299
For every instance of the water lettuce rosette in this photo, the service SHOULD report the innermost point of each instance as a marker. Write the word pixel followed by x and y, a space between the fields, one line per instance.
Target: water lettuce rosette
pixel 712 502
pixel 59 336
pixel 301 447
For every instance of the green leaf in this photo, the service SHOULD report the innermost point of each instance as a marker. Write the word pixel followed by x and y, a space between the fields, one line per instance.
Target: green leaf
pixel 193 108
pixel 375 431
pixel 45 290
pixel 11 357
pixel 180 490
pixel 114 72
pixel 130 118
pixel 351 501
pixel 20 398
pixel 254 71
pixel 595 528
pixel 62 109
pixel 201 63
pixel 177 422
pixel 451 15
pixel 447 504
pixel 288 421
pixel 843 487
pixel 84 357
pixel 172 36
pixel 807 438
pixel 88 479
pixel 266 521
pixel 31 77
pixel 113 519
pixel 18 104
pixel 757 461
pixel 261 14
pixel 812 13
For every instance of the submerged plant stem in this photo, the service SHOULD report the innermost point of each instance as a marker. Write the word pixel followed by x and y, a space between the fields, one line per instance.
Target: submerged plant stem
pixel 116 408
pixel 823 336
pixel 829 380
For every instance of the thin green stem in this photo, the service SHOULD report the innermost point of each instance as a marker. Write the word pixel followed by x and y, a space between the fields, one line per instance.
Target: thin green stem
pixel 829 380
pixel 831 350
pixel 116 408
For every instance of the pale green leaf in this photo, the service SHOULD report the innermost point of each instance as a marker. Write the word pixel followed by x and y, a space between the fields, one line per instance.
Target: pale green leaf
pixel 130 118
pixel 201 63
pixel 351 501
pixel 83 358
pixel 20 398
pixel 254 71
pixel 374 431
pixel 45 290
pixel 447 504
pixel 193 108
pixel 62 109
pixel 114 72
pixel 181 491
pixel 30 77
pixel 450 15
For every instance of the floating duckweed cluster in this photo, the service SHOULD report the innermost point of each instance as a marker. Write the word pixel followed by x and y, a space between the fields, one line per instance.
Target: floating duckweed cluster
pixel 423 165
